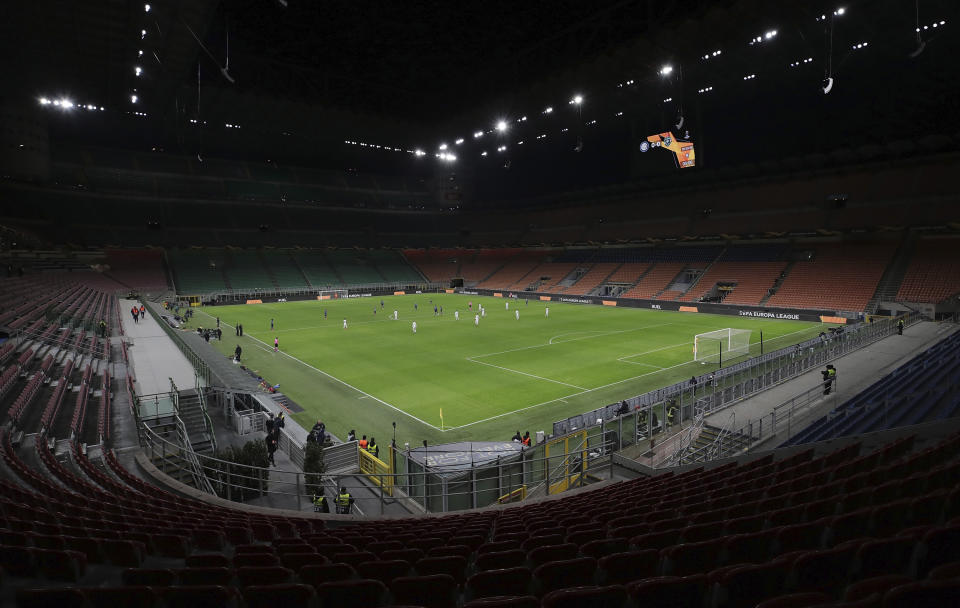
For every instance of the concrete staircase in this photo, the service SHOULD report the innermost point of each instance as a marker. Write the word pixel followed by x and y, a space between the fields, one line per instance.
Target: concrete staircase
pixel 893 276
pixel 732 444
pixel 778 282
pixel 195 420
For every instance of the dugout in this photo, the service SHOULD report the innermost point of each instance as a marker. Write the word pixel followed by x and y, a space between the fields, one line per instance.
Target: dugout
pixel 462 475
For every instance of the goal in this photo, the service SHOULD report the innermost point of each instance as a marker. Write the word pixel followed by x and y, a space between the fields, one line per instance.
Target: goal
pixel 332 294
pixel 715 346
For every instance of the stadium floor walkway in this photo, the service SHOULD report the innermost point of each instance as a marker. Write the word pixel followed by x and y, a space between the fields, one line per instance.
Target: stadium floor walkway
pixel 153 356
pixel 855 372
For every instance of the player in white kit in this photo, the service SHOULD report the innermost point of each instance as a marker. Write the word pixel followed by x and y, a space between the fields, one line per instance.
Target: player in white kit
pixel 414 327
pixel 344 323
pixel 476 320
pixel 506 305
pixel 546 311
pixel 396 316
pixel 517 314
pixel 456 315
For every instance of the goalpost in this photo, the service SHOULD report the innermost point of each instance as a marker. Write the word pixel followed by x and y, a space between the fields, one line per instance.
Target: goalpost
pixel 332 294
pixel 714 346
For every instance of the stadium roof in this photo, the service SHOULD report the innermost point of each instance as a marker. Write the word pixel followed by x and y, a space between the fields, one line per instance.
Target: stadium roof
pixel 412 75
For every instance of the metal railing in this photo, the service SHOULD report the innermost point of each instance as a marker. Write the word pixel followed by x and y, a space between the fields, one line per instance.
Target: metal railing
pixel 413 491
pixel 726 386
pixel 687 437
pixel 202 370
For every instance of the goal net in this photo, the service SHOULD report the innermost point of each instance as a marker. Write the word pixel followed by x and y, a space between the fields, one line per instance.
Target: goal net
pixel 714 346
pixel 332 294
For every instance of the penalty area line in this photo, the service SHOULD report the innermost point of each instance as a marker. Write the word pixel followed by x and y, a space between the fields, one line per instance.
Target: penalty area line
pixel 347 384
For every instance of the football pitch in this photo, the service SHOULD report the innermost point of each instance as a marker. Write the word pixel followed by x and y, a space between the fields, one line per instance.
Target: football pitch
pixel 487 380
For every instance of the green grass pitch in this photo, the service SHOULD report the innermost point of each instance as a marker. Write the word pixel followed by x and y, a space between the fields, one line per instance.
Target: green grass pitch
pixel 489 381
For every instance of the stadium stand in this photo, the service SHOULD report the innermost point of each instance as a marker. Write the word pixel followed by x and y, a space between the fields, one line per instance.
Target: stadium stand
pixel 283 269
pixel 438 265
pixel 197 271
pixel 137 268
pixel 750 280
pixel 925 388
pixel 545 277
pixel 393 266
pixel 655 280
pixel 595 277
pixel 815 521
pixel 244 270
pixel 515 269
pixel 317 269
pixel 485 263
pixel 840 277
pixel 933 274
pixel 353 267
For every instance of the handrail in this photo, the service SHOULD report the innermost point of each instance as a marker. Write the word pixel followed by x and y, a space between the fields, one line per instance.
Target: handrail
pixel 689 437
pixel 752 376
pixel 233 479
pixel 200 480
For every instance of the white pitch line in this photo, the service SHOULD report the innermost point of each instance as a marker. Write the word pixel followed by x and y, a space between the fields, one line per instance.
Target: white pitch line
pixel 584 392
pixel 656 350
pixel 597 335
pixel 305 364
pixel 515 371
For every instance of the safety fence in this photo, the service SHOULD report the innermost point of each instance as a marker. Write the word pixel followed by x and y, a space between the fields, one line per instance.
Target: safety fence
pixel 401 484
pixel 649 414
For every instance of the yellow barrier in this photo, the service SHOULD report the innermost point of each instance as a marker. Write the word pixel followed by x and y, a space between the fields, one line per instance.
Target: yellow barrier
pixel 569 445
pixel 515 496
pixel 373 467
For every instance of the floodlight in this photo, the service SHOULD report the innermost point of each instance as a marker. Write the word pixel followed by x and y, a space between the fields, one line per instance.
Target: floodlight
pixel 524 118
pixel 66 103
pixel 578 99
pixel 140 53
pixel 484 153
pixel 548 110
pixel 459 141
pixel 840 11
pixel 665 70
pixel 477 134
pixel 146 8
pixel 770 34
pixel 501 126
pixel 137 70
pixel 44 101
pixel 443 146
pixel 143 34
pixel 417 152
pixel 133 99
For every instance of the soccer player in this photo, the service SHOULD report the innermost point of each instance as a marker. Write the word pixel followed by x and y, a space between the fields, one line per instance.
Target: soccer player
pixel 434 310
pixel 456 315
pixel 546 311
pixel 414 327
pixel 324 314
pixel 396 316
pixel 517 314
pixel 344 323
pixel 506 305
pixel 414 306
pixel 276 344
pixel 483 311
pixel 271 324
pixel 476 320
